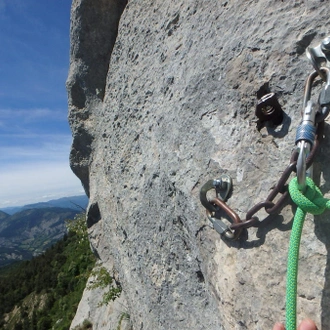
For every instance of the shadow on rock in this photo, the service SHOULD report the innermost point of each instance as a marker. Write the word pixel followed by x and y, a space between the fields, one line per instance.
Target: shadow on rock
pixel 322 231
pixel 270 223
pixel 322 225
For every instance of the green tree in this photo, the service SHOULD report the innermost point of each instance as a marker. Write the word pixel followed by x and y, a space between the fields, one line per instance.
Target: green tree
pixel 104 280
pixel 49 287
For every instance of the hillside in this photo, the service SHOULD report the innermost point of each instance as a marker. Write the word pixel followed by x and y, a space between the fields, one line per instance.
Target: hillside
pixel 44 293
pixel 28 233
pixel 3 215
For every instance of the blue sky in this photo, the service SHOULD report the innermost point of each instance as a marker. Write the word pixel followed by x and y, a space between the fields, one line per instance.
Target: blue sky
pixel 35 137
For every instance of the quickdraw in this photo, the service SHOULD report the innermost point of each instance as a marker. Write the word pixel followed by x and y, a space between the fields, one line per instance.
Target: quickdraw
pixel 308 137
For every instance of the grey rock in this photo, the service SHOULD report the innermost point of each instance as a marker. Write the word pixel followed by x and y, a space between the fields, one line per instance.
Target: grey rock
pixel 101 316
pixel 167 104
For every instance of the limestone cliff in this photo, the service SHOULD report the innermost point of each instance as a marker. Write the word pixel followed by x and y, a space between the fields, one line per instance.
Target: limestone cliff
pixel 162 97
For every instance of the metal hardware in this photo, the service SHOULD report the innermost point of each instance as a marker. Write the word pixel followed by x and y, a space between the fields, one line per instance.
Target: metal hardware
pixel 268 110
pixel 253 222
pixel 319 55
pixel 209 185
pixel 280 188
pixel 322 114
pixel 325 45
pixel 232 214
pixel 304 140
pixel 304 149
pixel 308 88
pixel 324 98
pixel 223 183
pixel 266 204
pixel 308 138
pixel 305 135
pixel 220 226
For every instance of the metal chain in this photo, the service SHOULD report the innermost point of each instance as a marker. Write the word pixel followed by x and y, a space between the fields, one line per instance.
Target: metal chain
pixel 280 188
pixel 302 159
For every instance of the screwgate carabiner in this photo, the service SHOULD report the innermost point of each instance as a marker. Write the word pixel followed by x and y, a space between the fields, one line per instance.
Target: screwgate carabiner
pixel 305 135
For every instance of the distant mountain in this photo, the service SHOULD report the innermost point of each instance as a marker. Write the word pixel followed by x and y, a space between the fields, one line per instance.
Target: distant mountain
pixel 78 203
pixel 3 215
pixel 30 232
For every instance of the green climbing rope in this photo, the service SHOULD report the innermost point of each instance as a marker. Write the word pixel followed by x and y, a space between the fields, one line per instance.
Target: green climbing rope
pixel 311 201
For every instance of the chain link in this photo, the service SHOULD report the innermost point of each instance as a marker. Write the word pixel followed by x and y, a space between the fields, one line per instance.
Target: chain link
pixel 280 189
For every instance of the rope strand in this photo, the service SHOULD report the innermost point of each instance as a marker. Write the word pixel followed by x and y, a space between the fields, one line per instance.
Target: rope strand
pixel 312 201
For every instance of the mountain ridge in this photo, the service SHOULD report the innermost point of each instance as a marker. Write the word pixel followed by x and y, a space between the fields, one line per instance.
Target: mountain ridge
pixel 77 202
pixel 30 232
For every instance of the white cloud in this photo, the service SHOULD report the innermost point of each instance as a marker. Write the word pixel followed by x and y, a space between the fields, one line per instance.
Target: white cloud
pixel 30 115
pixel 34 133
pixel 37 170
pixel 29 183
pixel 35 147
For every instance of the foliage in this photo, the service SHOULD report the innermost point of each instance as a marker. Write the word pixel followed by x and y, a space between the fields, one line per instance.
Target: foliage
pixel 84 326
pixel 78 226
pixel 104 280
pixel 44 293
pixel 122 317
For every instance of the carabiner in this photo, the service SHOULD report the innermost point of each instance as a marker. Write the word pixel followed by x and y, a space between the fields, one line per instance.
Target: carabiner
pixel 232 215
pixel 212 206
pixel 306 131
pixel 305 135
pixel 219 225
pixel 304 149
pixel 304 140
pixel 309 85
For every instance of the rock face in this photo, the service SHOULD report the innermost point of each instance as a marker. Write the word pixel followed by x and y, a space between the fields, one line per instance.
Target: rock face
pixel 162 97
pixel 111 316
